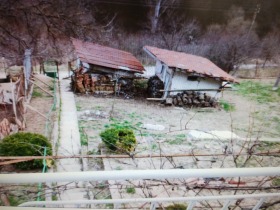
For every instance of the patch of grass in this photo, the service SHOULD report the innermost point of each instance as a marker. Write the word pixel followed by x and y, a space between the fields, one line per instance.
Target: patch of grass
pixel 145 134
pixel 130 190
pixel 78 107
pixel 92 152
pixel 177 207
pixel 276 182
pixel 123 124
pixel 154 147
pixel 276 119
pixel 37 94
pixel 101 185
pixel 261 93
pixel 179 139
pixel 83 136
pixel 133 115
pixel 54 197
pixel 228 107
pixel 14 201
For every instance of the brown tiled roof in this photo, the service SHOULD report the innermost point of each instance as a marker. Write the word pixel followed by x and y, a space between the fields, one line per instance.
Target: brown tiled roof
pixel 189 63
pixel 105 56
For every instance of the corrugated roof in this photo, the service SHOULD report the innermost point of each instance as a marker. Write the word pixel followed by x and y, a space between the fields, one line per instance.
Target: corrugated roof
pixel 105 56
pixel 189 63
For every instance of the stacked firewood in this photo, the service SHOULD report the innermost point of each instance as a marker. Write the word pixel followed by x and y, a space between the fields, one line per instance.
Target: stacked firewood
pixel 7 128
pixel 102 84
pixel 83 83
pixel 78 83
pixel 194 99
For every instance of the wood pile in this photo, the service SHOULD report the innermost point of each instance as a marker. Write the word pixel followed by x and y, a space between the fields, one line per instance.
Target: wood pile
pixel 7 128
pixel 194 99
pixel 154 85
pixel 11 107
pixel 86 83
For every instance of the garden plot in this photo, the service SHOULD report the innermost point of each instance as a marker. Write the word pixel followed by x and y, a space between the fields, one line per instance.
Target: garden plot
pixel 176 146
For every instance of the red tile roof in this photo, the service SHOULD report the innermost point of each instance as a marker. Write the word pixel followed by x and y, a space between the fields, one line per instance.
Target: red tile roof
pixel 189 63
pixel 105 56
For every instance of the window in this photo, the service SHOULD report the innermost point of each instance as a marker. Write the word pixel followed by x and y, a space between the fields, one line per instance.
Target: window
pixel 193 78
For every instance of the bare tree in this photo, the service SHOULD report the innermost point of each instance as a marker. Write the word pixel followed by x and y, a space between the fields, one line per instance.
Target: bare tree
pixel 270 47
pixel 232 44
pixel 45 27
pixel 158 8
pixel 178 32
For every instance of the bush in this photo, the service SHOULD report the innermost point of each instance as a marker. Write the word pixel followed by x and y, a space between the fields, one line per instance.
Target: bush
pixel 25 144
pixel 177 207
pixel 227 106
pixel 122 139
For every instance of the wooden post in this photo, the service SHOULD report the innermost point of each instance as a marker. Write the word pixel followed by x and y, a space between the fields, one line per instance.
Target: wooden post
pixel 27 67
pixel 69 68
pixel 57 69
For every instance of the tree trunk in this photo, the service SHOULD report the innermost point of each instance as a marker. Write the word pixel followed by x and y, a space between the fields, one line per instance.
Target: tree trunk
pixel 276 85
pixel 155 17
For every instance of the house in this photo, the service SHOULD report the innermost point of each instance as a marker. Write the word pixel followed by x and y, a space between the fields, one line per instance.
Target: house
pixel 101 69
pixel 180 72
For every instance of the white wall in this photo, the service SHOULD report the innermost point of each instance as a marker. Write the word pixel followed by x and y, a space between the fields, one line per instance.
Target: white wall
pixel 180 82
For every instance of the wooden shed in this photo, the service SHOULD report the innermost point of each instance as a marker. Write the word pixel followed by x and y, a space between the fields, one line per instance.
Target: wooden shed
pixel 101 69
pixel 180 72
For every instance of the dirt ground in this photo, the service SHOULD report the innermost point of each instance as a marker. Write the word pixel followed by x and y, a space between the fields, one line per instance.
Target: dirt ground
pixel 43 103
pixel 169 133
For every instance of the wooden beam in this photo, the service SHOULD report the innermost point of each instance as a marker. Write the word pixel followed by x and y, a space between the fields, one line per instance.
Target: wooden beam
pixel 41 88
pixel 155 99
pixel 181 90
pixel 35 110
pixel 34 75
pixel 14 161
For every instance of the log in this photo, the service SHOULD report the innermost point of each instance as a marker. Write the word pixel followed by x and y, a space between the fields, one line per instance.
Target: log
pixel 155 99
pixel 181 90
pixel 175 101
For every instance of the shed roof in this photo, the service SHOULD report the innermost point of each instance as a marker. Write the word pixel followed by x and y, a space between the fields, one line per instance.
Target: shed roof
pixel 106 56
pixel 189 63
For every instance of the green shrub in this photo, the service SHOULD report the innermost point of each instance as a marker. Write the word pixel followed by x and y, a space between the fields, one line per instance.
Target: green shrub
pixel 25 144
pixel 177 207
pixel 36 93
pixel 130 190
pixel 227 106
pixel 122 139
